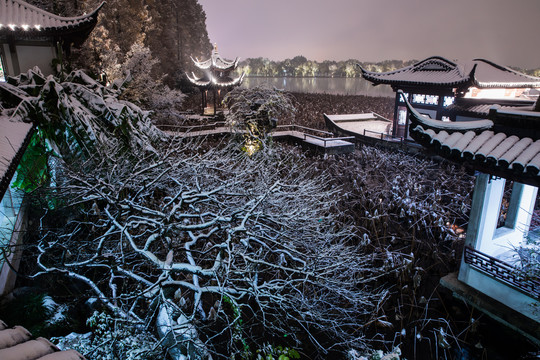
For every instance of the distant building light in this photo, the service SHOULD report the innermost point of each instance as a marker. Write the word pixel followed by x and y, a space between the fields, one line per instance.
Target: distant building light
pixel 38 27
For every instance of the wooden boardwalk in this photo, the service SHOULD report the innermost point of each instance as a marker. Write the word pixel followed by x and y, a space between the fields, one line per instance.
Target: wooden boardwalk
pixel 326 144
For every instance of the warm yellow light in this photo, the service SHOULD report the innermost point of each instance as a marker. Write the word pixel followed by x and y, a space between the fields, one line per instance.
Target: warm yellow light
pixel 250 149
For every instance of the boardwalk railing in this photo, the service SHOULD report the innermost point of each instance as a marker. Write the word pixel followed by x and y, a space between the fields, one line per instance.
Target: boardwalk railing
pixel 325 140
pixel 192 128
pixel 383 136
pixel 302 129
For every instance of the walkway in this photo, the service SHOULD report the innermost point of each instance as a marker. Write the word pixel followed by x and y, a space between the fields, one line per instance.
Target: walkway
pixel 312 139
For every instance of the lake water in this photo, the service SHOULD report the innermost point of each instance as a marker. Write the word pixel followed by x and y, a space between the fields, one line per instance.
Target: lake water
pixel 342 86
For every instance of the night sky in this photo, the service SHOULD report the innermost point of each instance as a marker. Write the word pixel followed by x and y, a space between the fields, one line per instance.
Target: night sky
pixel 504 31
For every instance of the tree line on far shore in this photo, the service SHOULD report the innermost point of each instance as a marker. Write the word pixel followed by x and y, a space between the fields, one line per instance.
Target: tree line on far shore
pixel 300 66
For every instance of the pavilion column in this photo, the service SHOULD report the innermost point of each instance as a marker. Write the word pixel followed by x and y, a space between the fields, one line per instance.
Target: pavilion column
pixel 483 218
pixel 203 100
pixel 520 210
pixel 214 93
pixel 485 207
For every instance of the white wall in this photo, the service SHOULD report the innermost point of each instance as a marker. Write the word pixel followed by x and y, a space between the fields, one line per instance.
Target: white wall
pixel 41 56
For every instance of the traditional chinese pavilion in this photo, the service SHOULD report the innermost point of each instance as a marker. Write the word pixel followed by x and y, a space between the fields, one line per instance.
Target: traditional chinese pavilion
pixel 505 152
pixel 30 36
pixel 216 77
pixel 447 90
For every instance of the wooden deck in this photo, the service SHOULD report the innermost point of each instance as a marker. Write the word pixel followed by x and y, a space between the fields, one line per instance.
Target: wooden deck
pixel 370 129
pixel 310 139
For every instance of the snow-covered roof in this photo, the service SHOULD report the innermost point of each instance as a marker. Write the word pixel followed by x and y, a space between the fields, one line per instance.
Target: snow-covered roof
pixel 507 147
pixel 491 75
pixel 216 62
pixel 437 71
pixel 17 343
pixel 216 72
pixel 433 71
pixel 14 136
pixel 212 81
pixel 20 18
pixel 479 108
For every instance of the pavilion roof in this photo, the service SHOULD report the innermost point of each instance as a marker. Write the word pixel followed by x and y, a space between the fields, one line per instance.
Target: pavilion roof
pixel 437 71
pixel 14 136
pixel 507 146
pixel 216 62
pixel 208 80
pixel 18 18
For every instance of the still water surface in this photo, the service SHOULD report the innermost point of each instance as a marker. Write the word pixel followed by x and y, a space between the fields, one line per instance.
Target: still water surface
pixel 342 86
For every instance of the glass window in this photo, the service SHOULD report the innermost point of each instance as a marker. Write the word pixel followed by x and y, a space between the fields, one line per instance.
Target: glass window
pixel 419 98
pixel 432 99
pixel 448 100
pixel 402 116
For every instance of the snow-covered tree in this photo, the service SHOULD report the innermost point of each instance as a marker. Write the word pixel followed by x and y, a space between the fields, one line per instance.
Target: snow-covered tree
pixel 220 250
pixel 217 250
pixel 254 112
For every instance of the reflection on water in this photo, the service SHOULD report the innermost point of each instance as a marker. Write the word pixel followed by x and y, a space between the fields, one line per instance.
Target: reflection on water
pixel 344 86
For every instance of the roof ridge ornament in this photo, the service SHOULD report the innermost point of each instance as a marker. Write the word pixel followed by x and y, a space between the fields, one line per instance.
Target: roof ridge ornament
pixel 434 63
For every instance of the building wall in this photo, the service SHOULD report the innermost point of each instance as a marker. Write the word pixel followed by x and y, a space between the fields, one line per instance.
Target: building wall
pixel 23 56
pixel 12 227
pixel 36 55
pixel 484 235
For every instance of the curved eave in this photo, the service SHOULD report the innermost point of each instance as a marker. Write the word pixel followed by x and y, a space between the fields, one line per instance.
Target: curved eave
pixel 525 81
pixel 202 64
pixel 437 125
pixel 62 25
pixel 201 82
pixel 223 64
pixel 233 82
pixel 198 81
pixel 505 85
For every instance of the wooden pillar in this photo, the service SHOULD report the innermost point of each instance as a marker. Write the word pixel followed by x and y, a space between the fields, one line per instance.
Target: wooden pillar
pixel 214 93
pixel 203 100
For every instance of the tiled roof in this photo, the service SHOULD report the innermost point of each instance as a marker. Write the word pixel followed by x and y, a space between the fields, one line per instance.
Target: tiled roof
pixel 209 79
pixel 484 145
pixel 440 72
pixel 19 16
pixel 491 75
pixel 14 136
pixel 434 71
pixel 479 108
pixel 17 344
pixel 216 62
